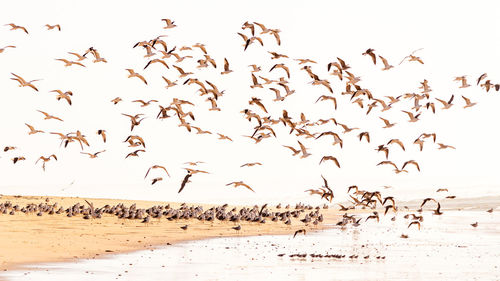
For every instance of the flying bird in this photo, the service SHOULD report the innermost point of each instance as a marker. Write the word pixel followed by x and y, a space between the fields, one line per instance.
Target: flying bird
pixel 157 167
pixel 132 73
pixel 240 183
pixel 14 27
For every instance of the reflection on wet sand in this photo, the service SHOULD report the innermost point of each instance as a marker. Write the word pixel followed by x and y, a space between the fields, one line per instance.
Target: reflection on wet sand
pixel 446 248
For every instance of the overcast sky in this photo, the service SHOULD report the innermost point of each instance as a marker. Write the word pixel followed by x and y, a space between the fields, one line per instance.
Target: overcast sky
pixel 457 38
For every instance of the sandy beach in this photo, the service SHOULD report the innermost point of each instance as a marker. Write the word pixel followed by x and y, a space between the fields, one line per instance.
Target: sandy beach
pixel 29 239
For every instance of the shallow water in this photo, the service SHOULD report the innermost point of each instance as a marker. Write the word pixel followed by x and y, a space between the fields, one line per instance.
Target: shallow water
pixel 447 247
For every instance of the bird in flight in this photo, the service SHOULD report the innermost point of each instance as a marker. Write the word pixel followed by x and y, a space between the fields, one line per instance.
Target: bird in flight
pixel 240 183
pixel 93 155
pixel 48 116
pixel 3 49
pixel 32 129
pixel 331 158
pixel 184 181
pixel 23 83
pixel 50 27
pixel 132 73
pixel 14 27
pixel 157 167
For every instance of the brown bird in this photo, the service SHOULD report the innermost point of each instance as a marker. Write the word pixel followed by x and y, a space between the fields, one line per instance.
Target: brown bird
pixel 223 137
pixel 347 129
pixel 134 120
pixel 48 116
pixel 427 200
pixel 132 73
pixel 414 222
pixel 181 71
pixel 23 83
pixel 437 211
pixel 374 216
pixel 194 163
pixel 157 167
pixel 3 49
pixel 240 183
pixel 102 133
pixel 463 80
pixel 250 164
pixel 16 159
pixel 468 103
pixel 50 27
pixel 135 153
pixel 325 98
pixel 442 189
pixel 92 155
pixel 366 135
pixel 14 27
pixel 7 148
pixel 325 158
pixel 411 162
pixel 299 231
pixel 157 61
pixel 70 63
pixel 397 141
pixel 184 227
pixel 169 83
pixel 184 181
pixel 282 66
pixel 474 224
pixel 446 104
pixel 387 123
pixel 155 180
pixel 383 148
pixel 371 53
pixel 295 151
pixel 388 163
pixel 201 46
pixel 144 103
pixel 303 150
pixel 46 159
pixel 226 67
pixel 32 130
pixel 169 23
pixel 413 118
pixel 387 66
pixel 66 95
pixel 80 57
pixel 444 146
pixel 257 102
pixel 116 100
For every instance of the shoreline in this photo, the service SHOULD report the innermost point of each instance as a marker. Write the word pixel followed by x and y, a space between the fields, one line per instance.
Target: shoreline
pixel 29 239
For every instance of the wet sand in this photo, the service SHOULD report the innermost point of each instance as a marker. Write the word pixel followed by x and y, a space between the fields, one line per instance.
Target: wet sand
pixel 31 239
pixel 446 248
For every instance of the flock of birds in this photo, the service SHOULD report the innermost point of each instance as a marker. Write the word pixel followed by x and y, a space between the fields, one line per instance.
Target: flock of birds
pixel 258 214
pixel 264 124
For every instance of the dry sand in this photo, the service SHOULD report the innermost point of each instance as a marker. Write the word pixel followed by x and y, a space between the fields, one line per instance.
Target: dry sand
pixel 28 238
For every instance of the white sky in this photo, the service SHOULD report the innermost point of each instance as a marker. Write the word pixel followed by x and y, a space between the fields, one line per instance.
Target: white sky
pixel 458 38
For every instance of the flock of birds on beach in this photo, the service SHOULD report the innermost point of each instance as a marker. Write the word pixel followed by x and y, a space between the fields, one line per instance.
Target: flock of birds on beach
pixel 258 214
pixel 172 58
